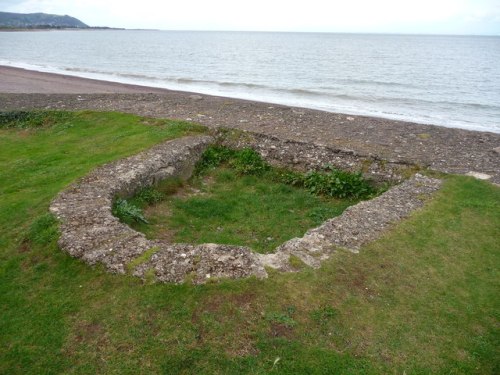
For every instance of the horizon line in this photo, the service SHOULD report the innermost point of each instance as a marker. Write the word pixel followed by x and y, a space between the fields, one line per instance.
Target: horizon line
pixel 301 31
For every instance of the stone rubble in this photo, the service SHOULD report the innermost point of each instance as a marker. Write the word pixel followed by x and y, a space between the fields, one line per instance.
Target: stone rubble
pixel 198 263
pixel 90 232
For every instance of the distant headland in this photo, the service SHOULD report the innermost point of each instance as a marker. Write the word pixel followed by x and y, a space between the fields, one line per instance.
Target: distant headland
pixel 41 21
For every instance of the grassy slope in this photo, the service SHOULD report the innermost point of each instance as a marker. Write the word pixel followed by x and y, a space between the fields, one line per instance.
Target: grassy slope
pixel 423 299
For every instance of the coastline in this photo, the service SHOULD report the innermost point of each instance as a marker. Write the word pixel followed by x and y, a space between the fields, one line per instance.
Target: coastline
pixel 443 149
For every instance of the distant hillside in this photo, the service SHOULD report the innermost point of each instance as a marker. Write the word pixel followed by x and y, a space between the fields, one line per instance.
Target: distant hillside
pixel 39 20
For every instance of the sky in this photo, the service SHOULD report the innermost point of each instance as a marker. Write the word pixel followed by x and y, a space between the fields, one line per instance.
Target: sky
pixel 479 17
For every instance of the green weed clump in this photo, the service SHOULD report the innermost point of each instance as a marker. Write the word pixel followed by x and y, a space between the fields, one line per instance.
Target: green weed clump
pixel 248 162
pixel 212 157
pixel 337 183
pixel 330 182
pixel 245 161
pixel 32 119
pixel 149 195
pixel 128 212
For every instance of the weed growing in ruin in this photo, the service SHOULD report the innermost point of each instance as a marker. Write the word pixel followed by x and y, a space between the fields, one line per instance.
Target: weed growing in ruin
pixel 213 157
pixel 337 183
pixel 330 181
pixel 128 212
pixel 248 162
pixel 33 119
pixel 149 195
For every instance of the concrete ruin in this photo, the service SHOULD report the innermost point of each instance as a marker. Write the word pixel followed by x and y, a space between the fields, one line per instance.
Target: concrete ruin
pixel 89 230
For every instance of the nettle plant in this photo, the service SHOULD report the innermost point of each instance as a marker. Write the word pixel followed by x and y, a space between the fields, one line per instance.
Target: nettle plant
pixel 128 212
pixel 337 183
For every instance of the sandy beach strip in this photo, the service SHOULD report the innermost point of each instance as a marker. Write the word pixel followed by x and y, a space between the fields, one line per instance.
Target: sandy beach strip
pixel 442 149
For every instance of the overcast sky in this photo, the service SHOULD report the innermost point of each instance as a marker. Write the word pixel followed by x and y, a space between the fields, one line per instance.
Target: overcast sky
pixel 379 16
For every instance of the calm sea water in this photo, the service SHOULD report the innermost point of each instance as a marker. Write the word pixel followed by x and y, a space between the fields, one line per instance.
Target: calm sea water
pixel 444 80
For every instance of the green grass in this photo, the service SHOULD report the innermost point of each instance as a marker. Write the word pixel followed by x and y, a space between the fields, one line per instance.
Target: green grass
pixel 421 300
pixel 227 208
pixel 56 147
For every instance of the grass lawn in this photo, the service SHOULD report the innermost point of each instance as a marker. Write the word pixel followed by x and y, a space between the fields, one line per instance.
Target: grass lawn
pixel 421 300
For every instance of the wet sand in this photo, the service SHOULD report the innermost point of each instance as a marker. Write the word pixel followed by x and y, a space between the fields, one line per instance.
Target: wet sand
pixel 442 149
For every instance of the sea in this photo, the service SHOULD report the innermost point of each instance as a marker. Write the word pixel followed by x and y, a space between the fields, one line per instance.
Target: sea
pixel 451 81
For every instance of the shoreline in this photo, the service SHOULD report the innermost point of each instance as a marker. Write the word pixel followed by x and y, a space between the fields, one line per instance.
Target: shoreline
pixel 78 82
pixel 451 150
